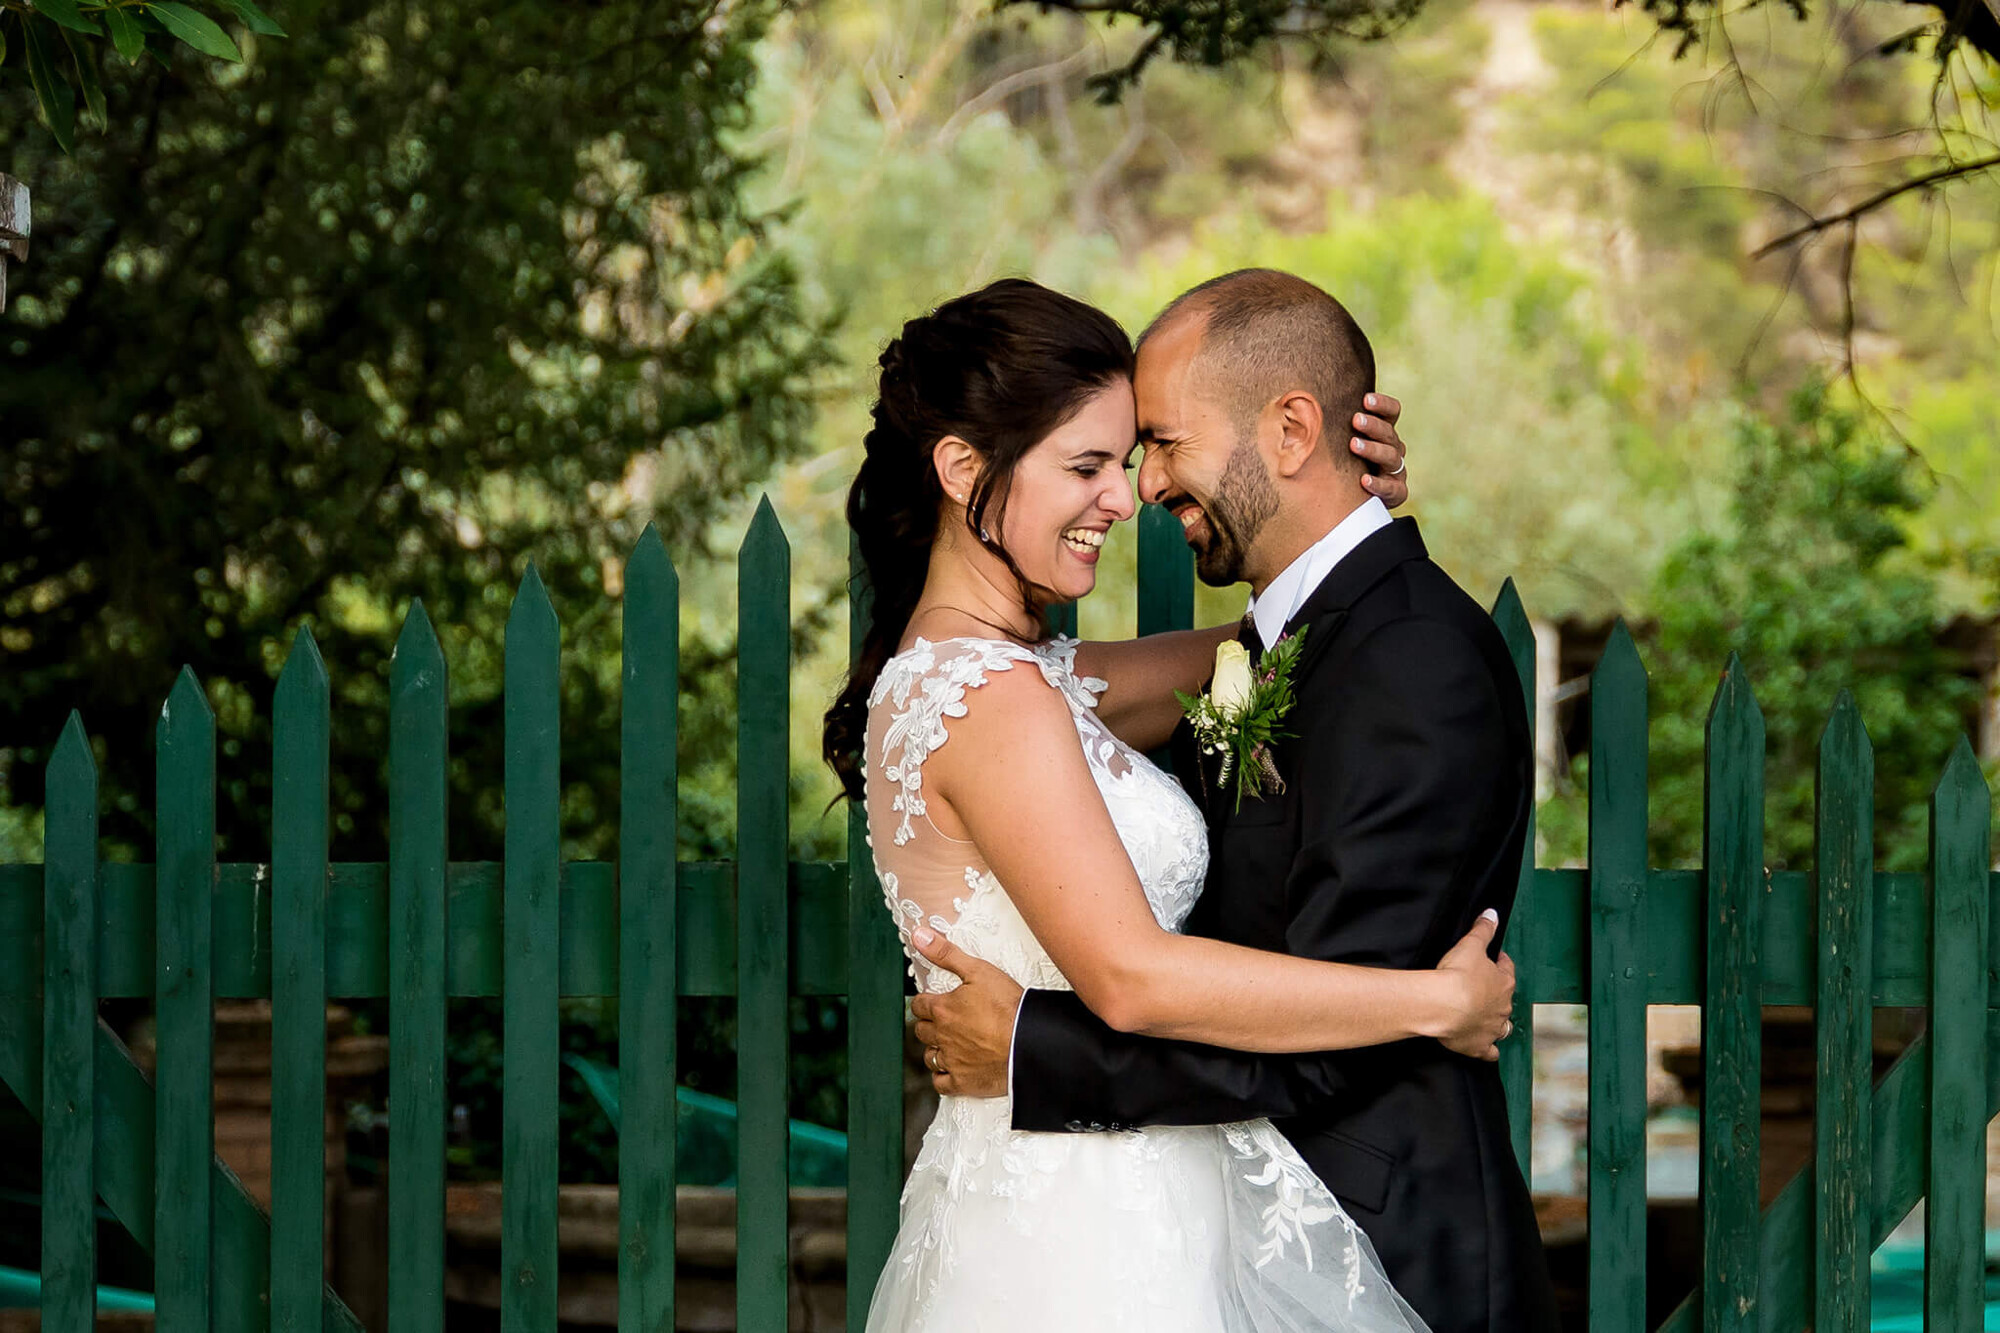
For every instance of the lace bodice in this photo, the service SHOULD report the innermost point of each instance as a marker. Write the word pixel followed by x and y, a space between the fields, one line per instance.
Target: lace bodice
pixel 931 879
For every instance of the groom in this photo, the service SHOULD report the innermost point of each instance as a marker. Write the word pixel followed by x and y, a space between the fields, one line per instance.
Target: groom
pixel 1407 781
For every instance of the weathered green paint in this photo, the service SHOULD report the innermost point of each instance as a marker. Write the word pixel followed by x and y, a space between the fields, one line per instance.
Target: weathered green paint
pixel 1785 1246
pixel 1517 1052
pixel 1617 1133
pixel 648 817
pixel 69 1022
pixel 358 917
pixel 1843 855
pixel 1732 1027
pixel 1617 936
pixel 531 1036
pixel 184 1127
pixel 300 785
pixel 125 1105
pixel 1955 1217
pixel 874 1045
pixel 414 973
pixel 763 833
pixel 1674 930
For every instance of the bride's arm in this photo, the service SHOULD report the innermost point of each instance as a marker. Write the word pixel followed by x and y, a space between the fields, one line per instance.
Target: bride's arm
pixel 1015 777
pixel 1141 676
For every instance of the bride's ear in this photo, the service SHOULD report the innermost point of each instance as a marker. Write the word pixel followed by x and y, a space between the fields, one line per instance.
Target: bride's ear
pixel 957 465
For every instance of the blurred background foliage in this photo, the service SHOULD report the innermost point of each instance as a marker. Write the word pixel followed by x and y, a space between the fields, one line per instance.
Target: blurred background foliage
pixel 423 291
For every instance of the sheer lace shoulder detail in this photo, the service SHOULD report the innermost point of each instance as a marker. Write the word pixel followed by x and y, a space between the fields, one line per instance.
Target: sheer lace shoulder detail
pixel 927 683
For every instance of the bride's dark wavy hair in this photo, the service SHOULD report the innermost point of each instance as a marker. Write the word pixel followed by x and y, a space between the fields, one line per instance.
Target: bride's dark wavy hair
pixel 1000 368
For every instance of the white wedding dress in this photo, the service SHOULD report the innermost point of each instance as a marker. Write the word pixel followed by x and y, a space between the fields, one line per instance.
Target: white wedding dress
pixel 1206 1229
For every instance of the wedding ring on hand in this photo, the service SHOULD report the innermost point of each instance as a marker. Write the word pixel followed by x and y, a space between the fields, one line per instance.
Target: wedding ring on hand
pixel 1404 463
pixel 931 1059
pixel 1507 1031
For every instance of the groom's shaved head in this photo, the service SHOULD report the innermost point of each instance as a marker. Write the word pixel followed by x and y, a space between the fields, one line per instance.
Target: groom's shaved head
pixel 1266 334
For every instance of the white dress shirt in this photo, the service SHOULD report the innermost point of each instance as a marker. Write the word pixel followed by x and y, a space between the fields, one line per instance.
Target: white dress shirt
pixel 1282 597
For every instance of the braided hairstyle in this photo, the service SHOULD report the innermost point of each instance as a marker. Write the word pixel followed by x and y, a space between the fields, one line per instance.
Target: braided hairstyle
pixel 1000 368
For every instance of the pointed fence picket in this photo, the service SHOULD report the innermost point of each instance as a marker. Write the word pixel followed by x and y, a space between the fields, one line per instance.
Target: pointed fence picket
pixel 184 1132
pixel 648 819
pixel 415 962
pixel 69 1024
pixel 1732 1017
pixel 301 741
pixel 419 929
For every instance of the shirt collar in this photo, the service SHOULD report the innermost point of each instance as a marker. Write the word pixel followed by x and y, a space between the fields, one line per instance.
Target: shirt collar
pixel 1285 594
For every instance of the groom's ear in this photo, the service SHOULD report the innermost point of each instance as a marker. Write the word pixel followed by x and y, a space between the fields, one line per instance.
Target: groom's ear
pixel 1300 427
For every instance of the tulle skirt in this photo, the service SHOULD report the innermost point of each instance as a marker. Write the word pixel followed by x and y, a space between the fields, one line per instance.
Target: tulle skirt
pixel 1203 1229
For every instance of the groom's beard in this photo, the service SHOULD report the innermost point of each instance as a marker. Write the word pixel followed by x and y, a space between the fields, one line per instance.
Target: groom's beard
pixel 1244 501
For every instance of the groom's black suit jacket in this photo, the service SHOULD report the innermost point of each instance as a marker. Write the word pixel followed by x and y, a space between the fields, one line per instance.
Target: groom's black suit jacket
pixel 1409 776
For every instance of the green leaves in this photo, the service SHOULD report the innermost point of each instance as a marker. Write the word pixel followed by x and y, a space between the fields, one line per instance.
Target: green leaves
pixel 58 82
pixel 126 34
pixel 196 29
pixel 87 81
pixel 254 18
pixel 52 91
pixel 68 14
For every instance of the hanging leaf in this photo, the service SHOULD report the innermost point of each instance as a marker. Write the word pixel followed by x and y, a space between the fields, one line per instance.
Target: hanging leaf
pixel 254 18
pixel 160 46
pixel 58 103
pixel 196 29
pixel 85 55
pixel 67 13
pixel 125 34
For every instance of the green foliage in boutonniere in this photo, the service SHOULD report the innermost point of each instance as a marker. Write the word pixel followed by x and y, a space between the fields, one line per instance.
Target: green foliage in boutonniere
pixel 1239 715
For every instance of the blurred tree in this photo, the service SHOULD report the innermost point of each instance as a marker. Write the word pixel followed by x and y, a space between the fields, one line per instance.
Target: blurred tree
pixel 1811 582
pixel 1946 141
pixel 384 310
pixel 1205 33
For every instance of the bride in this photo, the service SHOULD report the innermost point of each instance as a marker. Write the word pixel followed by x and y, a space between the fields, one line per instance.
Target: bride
pixel 1012 810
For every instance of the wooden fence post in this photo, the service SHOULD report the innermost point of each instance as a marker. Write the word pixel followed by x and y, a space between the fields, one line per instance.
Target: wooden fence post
pixel 14 220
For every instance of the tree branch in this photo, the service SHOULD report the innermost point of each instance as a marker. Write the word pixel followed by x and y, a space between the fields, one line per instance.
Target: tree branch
pixel 1001 89
pixel 1875 201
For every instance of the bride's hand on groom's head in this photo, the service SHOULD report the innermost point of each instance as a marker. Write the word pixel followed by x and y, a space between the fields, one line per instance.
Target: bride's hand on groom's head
pixel 1480 990
pixel 966 1033
pixel 1373 437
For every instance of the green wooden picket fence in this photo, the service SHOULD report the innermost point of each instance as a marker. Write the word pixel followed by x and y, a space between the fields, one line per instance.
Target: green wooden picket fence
pixel 422 928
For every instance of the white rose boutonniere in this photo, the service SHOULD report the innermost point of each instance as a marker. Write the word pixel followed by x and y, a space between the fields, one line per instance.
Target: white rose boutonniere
pixel 1230 687
pixel 1239 715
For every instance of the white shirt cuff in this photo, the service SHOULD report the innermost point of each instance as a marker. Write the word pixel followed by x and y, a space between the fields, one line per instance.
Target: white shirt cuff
pixel 1011 1040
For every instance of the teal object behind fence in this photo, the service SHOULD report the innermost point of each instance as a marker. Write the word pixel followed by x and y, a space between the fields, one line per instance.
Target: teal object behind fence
pixel 420 928
pixel 705 1133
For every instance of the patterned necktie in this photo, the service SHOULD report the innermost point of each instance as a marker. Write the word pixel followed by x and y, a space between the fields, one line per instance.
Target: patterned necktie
pixel 1247 635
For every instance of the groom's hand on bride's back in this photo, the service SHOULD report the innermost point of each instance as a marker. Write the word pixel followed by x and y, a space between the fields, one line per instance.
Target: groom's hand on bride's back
pixel 966 1033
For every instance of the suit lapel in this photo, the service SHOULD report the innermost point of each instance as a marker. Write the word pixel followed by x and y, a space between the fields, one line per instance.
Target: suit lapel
pixel 1347 582
pixel 1323 611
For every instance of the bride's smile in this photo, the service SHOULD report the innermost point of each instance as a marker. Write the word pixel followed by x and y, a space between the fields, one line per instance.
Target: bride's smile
pixel 1062 500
